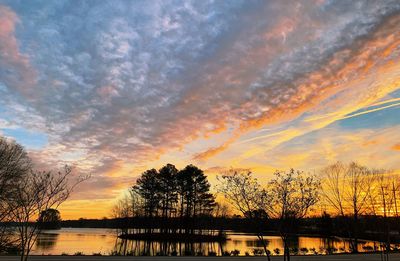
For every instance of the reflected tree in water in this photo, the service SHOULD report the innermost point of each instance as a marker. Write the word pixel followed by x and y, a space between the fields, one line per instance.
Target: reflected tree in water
pixel 46 241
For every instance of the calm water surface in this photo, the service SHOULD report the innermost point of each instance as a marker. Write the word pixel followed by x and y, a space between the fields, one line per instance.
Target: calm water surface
pixel 96 240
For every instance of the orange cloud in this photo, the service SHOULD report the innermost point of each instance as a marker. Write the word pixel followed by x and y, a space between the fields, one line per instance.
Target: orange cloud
pixel 396 147
pixel 321 85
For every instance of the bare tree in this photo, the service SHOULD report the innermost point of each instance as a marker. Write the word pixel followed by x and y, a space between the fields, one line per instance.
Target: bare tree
pixel 383 197
pixel 14 165
pixel 38 192
pixel 246 195
pixel 292 195
pixel 221 210
pixel 347 190
pixel 131 205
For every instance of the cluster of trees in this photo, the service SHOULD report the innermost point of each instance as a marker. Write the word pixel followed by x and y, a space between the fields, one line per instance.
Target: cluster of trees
pixel 286 198
pixel 169 193
pixel 349 192
pixel 352 191
pixel 26 195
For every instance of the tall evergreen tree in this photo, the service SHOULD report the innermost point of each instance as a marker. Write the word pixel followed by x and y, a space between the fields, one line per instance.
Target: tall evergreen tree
pixel 194 188
pixel 167 189
pixel 147 187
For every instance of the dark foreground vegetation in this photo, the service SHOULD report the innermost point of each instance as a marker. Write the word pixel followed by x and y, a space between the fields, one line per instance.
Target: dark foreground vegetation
pixel 80 257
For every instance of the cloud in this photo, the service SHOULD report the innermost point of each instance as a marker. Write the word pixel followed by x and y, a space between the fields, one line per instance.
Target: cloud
pixel 15 69
pixel 117 85
pixel 371 110
pixel 370 147
pixel 325 94
pixel 396 147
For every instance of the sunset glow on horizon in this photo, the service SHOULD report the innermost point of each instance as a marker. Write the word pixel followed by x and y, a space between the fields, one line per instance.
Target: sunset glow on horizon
pixel 117 87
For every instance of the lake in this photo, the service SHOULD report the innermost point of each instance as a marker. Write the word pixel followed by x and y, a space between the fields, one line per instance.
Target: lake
pixel 104 241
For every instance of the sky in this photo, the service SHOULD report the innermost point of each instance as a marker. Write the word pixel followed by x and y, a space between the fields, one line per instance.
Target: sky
pixel 113 88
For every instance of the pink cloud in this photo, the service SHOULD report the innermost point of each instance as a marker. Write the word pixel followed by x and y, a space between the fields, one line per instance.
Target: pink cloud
pixel 20 74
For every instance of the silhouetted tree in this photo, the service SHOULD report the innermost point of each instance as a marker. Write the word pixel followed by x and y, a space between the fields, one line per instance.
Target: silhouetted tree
pixel 384 197
pixel 169 192
pixel 221 209
pixel 193 188
pixel 167 189
pixel 37 192
pixel 14 166
pixel 147 187
pixel 50 219
pixel 292 195
pixel 347 189
pixel 245 194
pixel 136 203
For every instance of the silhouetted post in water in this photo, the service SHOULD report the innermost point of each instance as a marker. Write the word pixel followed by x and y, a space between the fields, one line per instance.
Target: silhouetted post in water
pixel 245 194
pixel 347 190
pixel 292 195
pixel 14 165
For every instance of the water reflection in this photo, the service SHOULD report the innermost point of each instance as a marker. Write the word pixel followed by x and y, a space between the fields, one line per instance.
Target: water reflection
pixel 152 248
pixel 46 241
pixel 105 241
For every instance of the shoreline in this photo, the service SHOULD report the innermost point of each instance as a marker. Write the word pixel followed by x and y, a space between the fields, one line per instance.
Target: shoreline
pixel 335 257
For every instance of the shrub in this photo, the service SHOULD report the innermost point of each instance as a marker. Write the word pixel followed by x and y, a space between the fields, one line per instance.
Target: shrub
pixel 235 252
pixel 368 248
pixel 115 253
pixel 313 251
pixel 294 251
pixel 226 253
pixel 331 250
pixel 258 252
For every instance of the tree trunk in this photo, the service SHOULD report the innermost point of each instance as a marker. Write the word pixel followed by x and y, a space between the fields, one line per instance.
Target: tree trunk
pixel 387 232
pixel 355 233
pixel 261 238
pixel 287 251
